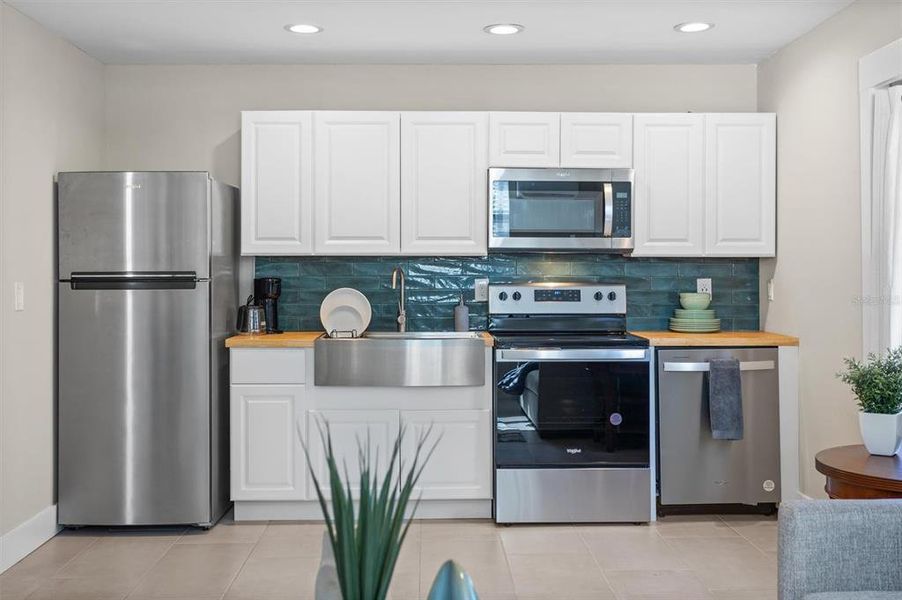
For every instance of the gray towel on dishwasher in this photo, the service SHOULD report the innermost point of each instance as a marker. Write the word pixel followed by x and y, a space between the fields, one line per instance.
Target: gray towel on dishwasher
pixel 725 399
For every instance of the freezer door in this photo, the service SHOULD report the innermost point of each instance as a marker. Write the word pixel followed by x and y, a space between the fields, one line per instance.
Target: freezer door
pixel 134 404
pixel 134 221
pixel 695 468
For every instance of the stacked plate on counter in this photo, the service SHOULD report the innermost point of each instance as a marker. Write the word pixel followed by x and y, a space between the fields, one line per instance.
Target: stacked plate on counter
pixel 345 312
pixel 695 316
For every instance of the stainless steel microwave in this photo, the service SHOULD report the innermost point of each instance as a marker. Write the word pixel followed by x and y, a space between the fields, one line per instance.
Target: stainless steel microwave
pixel 561 209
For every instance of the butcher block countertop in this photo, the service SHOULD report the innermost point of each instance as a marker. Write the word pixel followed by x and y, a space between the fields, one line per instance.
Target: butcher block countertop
pixel 295 339
pixel 721 338
pixel 305 339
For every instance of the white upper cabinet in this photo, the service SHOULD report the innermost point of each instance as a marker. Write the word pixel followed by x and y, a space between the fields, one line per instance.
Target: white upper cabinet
pixel 387 183
pixel 444 164
pixel 276 182
pixel 669 190
pixel 357 186
pixel 597 140
pixel 740 184
pixel 525 139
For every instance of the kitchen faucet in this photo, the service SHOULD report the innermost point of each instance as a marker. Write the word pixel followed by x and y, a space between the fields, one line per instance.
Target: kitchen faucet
pixel 402 313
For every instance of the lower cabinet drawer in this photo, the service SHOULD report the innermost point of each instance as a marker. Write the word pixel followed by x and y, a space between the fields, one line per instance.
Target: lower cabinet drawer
pixel 268 365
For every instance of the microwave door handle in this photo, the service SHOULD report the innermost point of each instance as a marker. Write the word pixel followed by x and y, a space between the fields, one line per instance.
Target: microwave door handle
pixel 608 195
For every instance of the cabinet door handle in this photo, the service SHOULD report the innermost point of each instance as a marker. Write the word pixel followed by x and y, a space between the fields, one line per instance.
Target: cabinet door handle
pixel 702 367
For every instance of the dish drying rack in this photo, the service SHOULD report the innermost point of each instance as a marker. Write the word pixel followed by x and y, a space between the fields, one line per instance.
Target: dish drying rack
pixel 343 334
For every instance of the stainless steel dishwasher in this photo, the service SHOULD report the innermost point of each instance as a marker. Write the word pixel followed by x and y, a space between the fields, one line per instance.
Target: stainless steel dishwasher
pixel 694 467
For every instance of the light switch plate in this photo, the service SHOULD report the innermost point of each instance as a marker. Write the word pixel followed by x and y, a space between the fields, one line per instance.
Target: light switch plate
pixel 481 290
pixel 703 286
pixel 770 290
pixel 19 291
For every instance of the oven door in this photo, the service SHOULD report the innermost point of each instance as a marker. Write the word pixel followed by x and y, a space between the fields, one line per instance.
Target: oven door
pixel 560 209
pixel 572 408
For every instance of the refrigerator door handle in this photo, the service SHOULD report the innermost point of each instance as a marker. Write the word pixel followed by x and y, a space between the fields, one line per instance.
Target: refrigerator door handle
pixel 178 280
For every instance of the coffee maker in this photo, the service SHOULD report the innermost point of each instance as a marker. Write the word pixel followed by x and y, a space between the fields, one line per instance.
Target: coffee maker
pixel 266 292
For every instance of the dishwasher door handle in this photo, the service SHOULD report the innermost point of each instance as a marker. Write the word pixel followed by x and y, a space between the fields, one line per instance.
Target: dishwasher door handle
pixel 703 367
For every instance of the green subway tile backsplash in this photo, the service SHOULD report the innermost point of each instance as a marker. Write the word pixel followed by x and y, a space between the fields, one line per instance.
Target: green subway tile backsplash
pixel 434 285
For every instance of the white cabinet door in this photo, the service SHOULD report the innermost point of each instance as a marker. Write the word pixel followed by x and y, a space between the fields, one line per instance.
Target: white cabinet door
pixel 444 162
pixel 669 184
pixel 524 139
pixel 461 465
pixel 357 183
pixel 276 182
pixel 349 428
pixel 596 140
pixel 267 462
pixel 740 184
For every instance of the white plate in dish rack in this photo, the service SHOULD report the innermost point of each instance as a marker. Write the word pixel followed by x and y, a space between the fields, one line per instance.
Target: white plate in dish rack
pixel 345 310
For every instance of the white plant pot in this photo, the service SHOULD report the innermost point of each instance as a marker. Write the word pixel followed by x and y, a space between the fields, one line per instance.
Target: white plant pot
pixel 882 434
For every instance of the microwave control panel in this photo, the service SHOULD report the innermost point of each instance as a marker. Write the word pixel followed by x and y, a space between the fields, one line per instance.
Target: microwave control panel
pixel 622 204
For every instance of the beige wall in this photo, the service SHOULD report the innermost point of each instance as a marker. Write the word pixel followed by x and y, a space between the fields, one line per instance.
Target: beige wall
pixel 51 119
pixel 187 117
pixel 812 85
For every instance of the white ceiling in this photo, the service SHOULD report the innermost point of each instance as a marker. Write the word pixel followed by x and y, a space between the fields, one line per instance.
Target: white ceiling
pixel 427 31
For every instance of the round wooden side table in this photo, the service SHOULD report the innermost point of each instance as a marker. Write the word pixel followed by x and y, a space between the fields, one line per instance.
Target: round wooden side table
pixel 853 473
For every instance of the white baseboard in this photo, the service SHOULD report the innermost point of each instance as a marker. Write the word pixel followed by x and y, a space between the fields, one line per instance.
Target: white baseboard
pixel 27 537
pixel 259 510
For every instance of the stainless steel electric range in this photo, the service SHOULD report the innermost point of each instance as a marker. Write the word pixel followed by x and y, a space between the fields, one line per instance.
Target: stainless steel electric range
pixel 574 418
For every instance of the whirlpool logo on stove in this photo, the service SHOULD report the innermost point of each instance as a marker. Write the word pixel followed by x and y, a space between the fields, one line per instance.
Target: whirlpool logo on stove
pixel 574 450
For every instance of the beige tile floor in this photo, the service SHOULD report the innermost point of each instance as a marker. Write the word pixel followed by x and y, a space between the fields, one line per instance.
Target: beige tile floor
pixel 679 558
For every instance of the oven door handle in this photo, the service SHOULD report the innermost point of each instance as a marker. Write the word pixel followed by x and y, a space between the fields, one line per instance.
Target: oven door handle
pixel 576 354
pixel 608 210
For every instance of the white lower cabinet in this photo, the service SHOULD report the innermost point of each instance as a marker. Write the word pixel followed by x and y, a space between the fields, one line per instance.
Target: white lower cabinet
pixel 349 430
pixel 267 461
pixel 461 465
pixel 277 411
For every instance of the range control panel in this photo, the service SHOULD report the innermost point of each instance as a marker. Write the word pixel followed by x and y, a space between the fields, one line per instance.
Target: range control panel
pixel 557 299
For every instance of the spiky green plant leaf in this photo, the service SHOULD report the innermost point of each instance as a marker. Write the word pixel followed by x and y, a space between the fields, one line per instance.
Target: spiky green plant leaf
pixel 367 535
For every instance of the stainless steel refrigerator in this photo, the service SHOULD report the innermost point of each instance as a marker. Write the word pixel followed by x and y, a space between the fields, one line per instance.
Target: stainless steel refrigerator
pixel 148 289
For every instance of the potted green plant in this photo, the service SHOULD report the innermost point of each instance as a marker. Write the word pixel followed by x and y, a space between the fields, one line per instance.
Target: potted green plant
pixel 364 534
pixel 877 384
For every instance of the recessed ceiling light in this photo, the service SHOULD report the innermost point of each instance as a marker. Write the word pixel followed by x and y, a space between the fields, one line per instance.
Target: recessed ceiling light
pixel 503 28
pixel 303 28
pixel 693 27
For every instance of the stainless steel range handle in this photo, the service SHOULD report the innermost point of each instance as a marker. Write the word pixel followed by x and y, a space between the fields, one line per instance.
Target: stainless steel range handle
pixel 702 367
pixel 608 210
pixel 576 354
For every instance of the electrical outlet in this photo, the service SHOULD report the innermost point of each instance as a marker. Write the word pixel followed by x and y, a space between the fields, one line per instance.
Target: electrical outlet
pixel 481 290
pixel 19 293
pixel 703 286
pixel 770 290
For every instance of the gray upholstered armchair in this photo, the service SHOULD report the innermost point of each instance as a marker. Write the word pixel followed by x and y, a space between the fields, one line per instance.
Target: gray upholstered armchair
pixel 841 550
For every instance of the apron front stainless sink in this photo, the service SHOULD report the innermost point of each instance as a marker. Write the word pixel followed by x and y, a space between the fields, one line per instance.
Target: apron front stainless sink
pixel 401 359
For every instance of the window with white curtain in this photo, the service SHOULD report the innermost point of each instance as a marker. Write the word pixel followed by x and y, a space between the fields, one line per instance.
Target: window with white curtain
pixel 886 213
